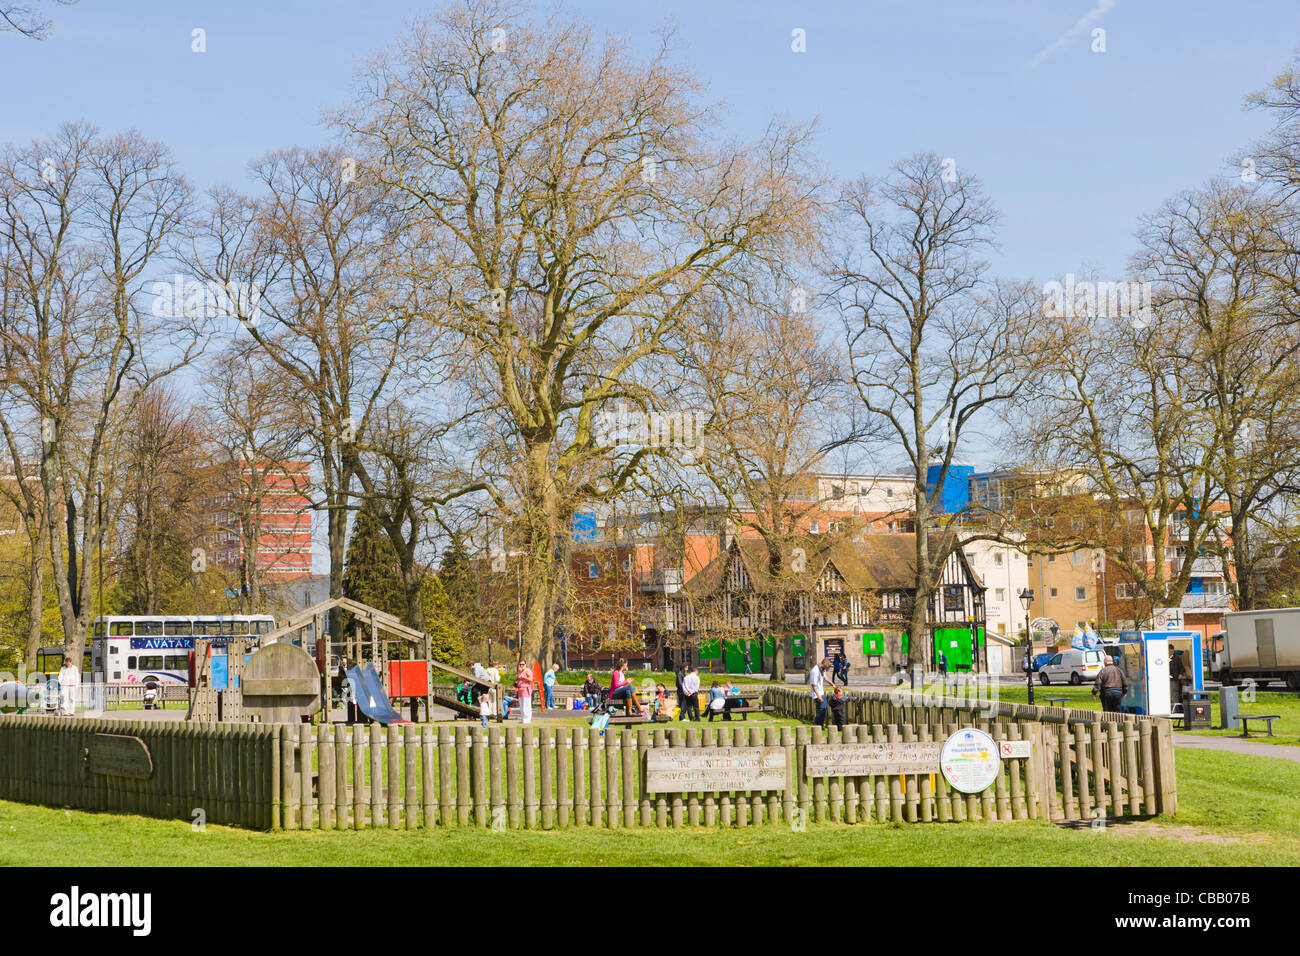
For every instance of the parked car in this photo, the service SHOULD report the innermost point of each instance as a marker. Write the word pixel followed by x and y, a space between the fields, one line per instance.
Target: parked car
pixel 1071 666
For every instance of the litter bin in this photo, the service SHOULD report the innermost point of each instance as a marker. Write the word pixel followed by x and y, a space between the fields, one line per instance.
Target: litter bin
pixel 1228 708
pixel 1196 709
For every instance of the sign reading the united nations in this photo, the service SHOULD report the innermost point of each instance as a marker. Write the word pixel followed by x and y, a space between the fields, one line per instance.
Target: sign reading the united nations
pixel 865 759
pixel 970 760
pixel 704 769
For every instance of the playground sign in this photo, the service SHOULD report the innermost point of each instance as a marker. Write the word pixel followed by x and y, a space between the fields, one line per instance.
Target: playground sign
pixel 120 756
pixel 969 760
pixel 866 759
pixel 703 769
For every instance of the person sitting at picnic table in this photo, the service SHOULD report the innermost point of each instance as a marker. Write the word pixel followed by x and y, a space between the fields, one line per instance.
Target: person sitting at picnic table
pixel 733 700
pixel 591 692
pixel 659 709
pixel 620 688
pixel 717 702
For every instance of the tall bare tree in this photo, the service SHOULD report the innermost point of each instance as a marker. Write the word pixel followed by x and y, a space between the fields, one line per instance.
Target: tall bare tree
pixel 934 345
pixel 575 201
pixel 83 218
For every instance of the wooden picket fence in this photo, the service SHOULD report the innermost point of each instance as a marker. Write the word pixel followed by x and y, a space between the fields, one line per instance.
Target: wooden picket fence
pixel 1087 764
pixel 335 777
pixel 217 773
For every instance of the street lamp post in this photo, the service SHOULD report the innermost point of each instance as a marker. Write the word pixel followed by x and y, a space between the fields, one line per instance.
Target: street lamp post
pixel 1027 599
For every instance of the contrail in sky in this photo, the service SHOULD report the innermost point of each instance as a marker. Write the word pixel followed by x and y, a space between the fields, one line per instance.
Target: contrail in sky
pixel 1061 42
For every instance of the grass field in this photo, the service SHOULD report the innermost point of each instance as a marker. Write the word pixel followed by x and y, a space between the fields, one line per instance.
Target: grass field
pixel 1233 811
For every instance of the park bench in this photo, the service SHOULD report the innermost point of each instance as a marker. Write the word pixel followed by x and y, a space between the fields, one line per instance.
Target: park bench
pixel 1058 701
pixel 1267 718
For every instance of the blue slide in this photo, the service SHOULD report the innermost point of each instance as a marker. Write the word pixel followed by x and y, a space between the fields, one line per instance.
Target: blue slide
pixel 368 691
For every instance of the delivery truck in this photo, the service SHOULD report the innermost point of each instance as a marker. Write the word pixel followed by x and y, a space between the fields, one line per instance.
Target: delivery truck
pixel 1260 645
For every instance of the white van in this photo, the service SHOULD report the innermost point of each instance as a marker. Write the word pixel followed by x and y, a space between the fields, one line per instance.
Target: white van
pixel 1072 666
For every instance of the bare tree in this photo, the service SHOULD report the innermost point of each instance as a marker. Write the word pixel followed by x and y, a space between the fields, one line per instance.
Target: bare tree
pixel 83 217
pixel 28 21
pixel 934 346
pixel 575 201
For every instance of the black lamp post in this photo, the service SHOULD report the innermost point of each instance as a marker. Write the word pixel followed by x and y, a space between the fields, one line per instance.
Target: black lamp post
pixel 1026 599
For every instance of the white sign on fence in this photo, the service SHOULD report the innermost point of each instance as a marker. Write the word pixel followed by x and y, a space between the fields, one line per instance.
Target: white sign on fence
pixel 704 769
pixel 866 759
pixel 1010 749
pixel 970 760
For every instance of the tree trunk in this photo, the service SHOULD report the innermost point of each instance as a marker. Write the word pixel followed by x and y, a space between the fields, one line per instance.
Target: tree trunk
pixel 36 598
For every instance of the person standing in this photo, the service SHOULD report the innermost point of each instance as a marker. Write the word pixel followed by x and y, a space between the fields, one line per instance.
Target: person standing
pixel 524 691
pixel 817 685
pixel 548 685
pixel 484 709
pixel 1112 685
pixel 838 705
pixel 69 684
pixel 749 661
pixel 691 700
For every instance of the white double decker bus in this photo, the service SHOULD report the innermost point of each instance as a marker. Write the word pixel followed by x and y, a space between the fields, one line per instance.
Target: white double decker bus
pixel 128 649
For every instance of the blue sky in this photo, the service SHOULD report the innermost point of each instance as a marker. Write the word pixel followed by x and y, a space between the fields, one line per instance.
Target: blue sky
pixel 1072 145
pixel 1072 149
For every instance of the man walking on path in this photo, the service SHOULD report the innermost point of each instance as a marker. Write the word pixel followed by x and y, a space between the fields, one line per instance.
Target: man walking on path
pixel 817 685
pixel 548 684
pixel 691 700
pixel 1112 685
pixel 749 661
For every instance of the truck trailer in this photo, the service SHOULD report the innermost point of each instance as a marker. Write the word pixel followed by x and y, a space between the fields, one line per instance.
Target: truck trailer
pixel 1259 645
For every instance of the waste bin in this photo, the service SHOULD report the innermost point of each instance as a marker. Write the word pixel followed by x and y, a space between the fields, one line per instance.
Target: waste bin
pixel 1228 708
pixel 1196 709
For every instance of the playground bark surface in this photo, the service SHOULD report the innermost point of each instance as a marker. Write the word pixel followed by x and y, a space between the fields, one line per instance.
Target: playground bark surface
pixel 1233 811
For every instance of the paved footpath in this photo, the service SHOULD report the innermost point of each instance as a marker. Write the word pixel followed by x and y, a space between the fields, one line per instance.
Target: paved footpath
pixel 1238 746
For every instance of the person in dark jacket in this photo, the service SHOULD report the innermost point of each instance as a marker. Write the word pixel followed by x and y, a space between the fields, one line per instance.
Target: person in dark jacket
pixel 839 706
pixel 1112 685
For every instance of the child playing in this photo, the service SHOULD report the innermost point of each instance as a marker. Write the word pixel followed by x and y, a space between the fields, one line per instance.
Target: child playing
pixel 484 708
pixel 839 704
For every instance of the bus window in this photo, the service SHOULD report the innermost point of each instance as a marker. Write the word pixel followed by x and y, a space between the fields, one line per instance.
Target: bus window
pixel 207 627
pixel 180 628
pixel 130 662
pixel 149 628
pixel 265 627
pixel 114 648
pixel 121 629
pixel 99 628
pixel 151 663
pixel 178 662
pixel 231 627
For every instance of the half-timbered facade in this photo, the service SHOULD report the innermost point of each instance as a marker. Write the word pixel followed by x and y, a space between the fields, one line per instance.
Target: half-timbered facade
pixel 825 594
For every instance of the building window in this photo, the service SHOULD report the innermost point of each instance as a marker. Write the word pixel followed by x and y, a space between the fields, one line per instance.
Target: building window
pixel 1049 522
pixel 627 563
pixel 1077 557
pixel 999 594
pixel 627 601
pixel 1030 559
pixel 1124 591
pixel 997 558
pixel 593 570
pixel 1076 524
pixel 814 527
pixel 889 492
pixel 1051 559
pixel 1081 594
pixel 1052 592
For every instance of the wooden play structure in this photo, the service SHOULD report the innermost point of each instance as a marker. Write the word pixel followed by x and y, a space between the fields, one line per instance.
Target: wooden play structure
pixel 290 676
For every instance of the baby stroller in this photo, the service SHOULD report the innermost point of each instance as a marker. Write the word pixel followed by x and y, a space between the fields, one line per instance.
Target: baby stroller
pixel 152 693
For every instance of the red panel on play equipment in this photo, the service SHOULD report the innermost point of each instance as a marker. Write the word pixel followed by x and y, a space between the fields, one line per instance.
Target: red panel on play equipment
pixel 408 679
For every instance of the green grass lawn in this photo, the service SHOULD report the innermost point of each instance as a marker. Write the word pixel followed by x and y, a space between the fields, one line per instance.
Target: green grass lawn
pixel 1233 811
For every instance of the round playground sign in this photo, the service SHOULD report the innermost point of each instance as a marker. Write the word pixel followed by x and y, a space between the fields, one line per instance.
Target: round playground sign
pixel 969 760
